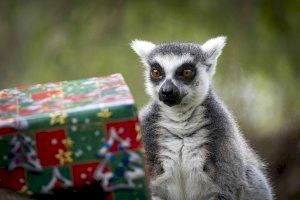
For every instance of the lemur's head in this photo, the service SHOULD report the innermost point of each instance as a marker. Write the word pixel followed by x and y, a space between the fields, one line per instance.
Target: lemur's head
pixel 179 73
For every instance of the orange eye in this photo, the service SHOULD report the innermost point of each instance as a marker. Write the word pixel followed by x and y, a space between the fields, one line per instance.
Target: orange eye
pixel 155 73
pixel 187 73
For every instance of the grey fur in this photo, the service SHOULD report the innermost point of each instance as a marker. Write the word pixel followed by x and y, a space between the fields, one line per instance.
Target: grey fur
pixel 179 48
pixel 199 153
pixel 149 124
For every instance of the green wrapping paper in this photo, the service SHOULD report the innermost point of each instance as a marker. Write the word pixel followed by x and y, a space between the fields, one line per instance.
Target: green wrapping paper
pixel 70 135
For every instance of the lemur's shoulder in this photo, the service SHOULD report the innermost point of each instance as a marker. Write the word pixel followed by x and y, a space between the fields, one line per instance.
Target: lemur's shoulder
pixel 218 114
pixel 225 130
pixel 149 116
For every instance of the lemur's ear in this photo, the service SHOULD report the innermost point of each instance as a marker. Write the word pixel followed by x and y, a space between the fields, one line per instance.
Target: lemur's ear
pixel 142 48
pixel 213 48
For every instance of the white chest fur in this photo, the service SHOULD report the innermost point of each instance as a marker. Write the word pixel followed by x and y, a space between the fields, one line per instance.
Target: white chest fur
pixel 183 154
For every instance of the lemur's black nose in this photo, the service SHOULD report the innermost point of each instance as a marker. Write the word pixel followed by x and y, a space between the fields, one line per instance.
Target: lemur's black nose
pixel 169 93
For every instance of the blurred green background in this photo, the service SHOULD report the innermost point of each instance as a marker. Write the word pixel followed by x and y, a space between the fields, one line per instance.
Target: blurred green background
pixel 258 75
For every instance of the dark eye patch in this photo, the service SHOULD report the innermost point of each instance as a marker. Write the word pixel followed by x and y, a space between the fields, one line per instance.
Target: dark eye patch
pixel 156 66
pixel 186 66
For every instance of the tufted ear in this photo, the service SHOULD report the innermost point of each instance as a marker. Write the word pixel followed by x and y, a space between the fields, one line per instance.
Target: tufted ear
pixel 212 50
pixel 142 48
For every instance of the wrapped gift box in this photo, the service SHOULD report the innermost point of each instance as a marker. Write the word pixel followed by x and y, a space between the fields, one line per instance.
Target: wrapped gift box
pixel 70 135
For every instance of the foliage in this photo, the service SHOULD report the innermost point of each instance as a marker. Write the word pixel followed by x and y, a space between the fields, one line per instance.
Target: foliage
pixel 258 76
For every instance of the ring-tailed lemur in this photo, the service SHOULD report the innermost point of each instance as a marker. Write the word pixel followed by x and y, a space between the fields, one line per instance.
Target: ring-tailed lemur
pixel 193 145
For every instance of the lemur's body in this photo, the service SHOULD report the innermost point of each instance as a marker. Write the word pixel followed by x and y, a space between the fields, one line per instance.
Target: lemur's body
pixel 193 146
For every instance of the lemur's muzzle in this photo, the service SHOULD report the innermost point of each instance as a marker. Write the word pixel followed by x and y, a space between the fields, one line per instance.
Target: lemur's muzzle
pixel 169 94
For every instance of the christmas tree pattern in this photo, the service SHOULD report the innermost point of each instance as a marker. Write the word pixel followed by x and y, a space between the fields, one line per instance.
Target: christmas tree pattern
pixel 57 180
pixel 61 129
pixel 23 154
pixel 130 168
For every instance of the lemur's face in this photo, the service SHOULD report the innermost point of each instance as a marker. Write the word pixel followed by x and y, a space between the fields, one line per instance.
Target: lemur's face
pixel 173 79
pixel 179 74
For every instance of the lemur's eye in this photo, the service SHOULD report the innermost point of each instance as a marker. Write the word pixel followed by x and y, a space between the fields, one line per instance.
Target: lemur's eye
pixel 155 73
pixel 187 73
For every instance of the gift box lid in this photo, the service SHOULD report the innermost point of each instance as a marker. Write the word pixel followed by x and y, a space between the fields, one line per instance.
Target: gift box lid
pixel 54 104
